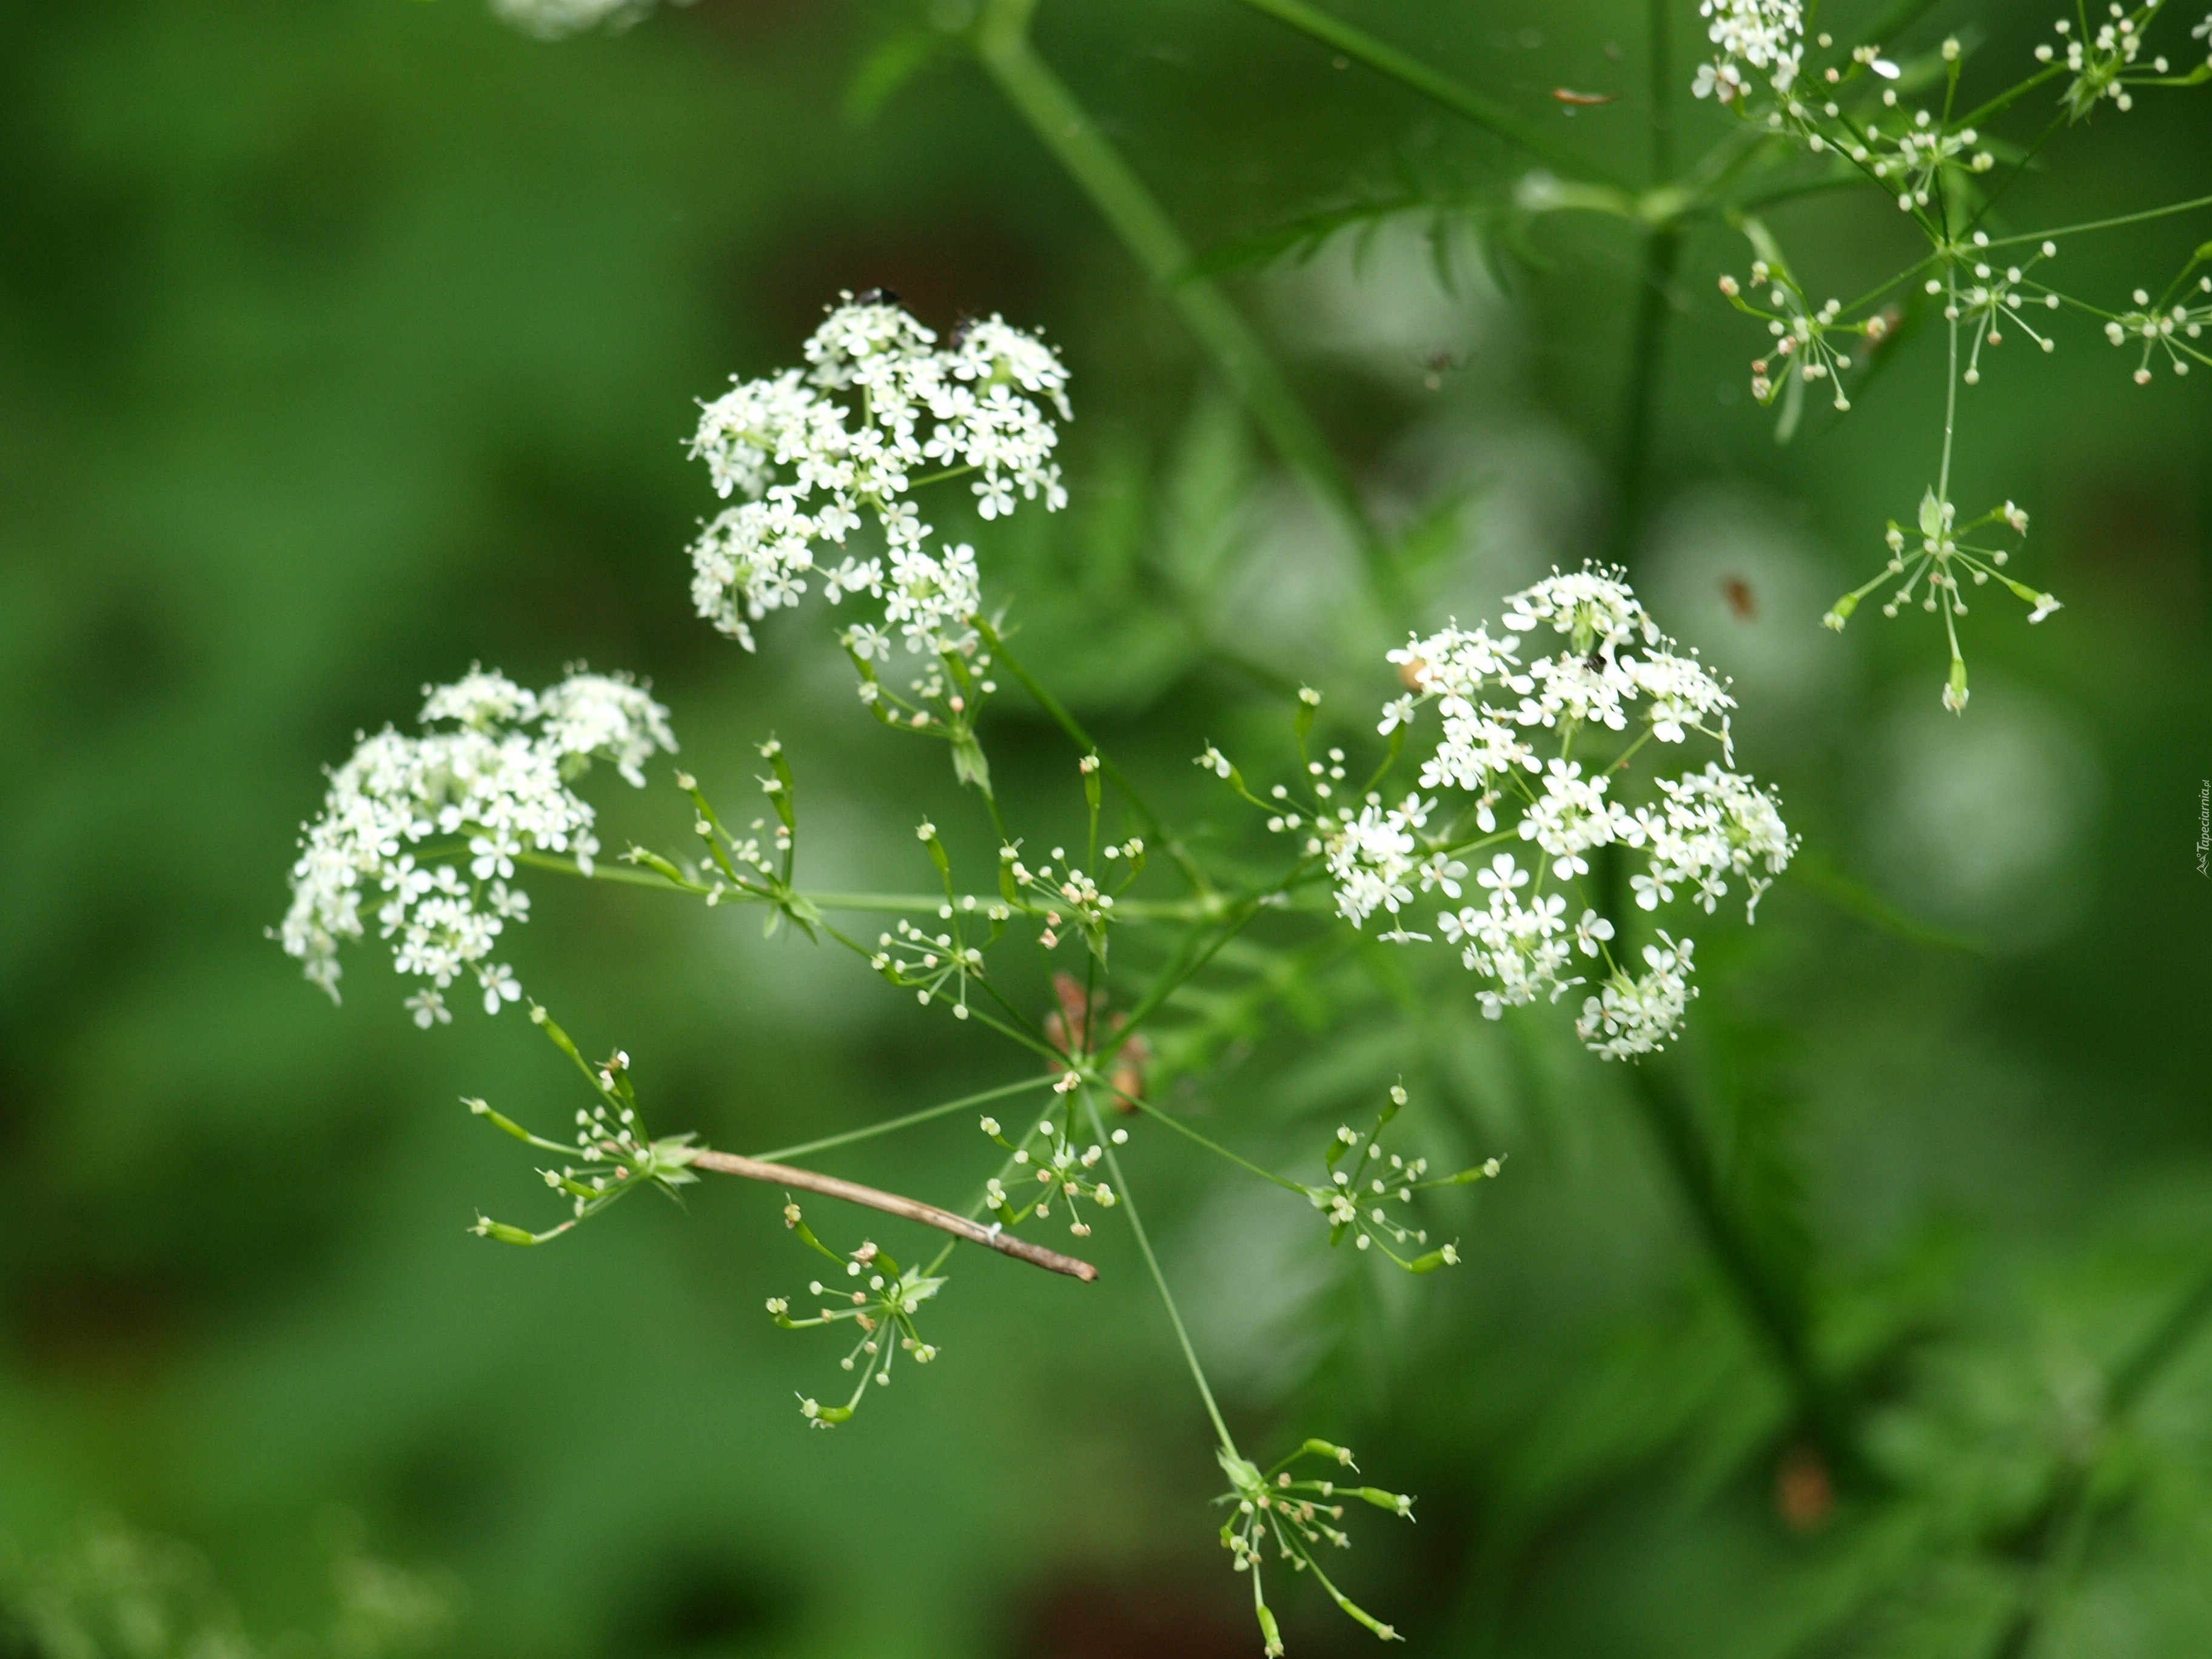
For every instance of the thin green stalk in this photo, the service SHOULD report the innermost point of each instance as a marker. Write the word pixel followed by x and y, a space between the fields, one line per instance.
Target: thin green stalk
pixel 2105 224
pixel 2004 100
pixel 912 1118
pixel 1002 45
pixel 2133 1376
pixel 1661 255
pixel 1380 55
pixel 1213 1146
pixel 908 904
pixel 1951 392
pixel 1659 47
pixel 1128 1206
pixel 1774 1311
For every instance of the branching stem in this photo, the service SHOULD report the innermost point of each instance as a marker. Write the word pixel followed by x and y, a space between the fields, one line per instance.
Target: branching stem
pixel 909 1209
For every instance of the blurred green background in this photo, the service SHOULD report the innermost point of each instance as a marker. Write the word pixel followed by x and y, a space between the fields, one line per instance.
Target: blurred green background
pixel 344 345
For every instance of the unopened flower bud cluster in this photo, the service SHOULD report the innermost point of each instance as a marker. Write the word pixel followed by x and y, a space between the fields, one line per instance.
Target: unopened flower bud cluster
pixel 878 1298
pixel 1046 1167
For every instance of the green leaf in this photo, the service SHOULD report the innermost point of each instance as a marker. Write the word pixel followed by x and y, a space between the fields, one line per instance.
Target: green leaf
pixel 1931 515
pixel 969 764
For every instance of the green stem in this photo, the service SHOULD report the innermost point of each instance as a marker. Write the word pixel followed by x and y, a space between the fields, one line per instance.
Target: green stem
pixel 1386 59
pixel 2105 224
pixel 908 904
pixel 1951 392
pixel 1774 1311
pixel 1662 254
pixel 2005 100
pixel 1215 1147
pixel 1159 1279
pixel 1002 45
pixel 907 1121
pixel 2132 1377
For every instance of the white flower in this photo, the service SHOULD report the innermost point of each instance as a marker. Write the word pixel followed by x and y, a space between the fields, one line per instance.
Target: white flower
pixel 607 715
pixel 1705 832
pixel 1628 1017
pixel 1765 35
pixel 549 20
pixel 1372 860
pixel 428 1008
pixel 818 452
pixel 1503 876
pixel 488 792
pixel 498 985
pixel 1711 824
pixel 1570 817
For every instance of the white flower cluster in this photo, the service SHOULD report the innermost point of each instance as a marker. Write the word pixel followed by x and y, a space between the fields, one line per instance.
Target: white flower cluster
pixel 552 20
pixel 1757 40
pixel 816 453
pixel 486 791
pixel 1705 829
pixel 1628 1017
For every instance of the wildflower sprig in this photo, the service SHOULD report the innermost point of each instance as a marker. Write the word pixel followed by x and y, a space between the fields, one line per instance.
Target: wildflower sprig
pixel 1047 1165
pixel 1805 337
pixel 1704 830
pixel 739 869
pixel 2105 65
pixel 1060 894
pixel 2171 325
pixel 882 1311
pixel 1323 804
pixel 1356 1199
pixel 1857 114
pixel 430 829
pixel 1274 1514
pixel 817 454
pixel 1995 298
pixel 1930 573
pixel 613 1154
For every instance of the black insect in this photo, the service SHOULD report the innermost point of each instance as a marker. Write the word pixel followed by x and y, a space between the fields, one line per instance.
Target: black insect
pixel 878 297
pixel 1741 599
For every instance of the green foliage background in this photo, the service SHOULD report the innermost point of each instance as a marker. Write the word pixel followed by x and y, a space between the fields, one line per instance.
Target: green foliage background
pixel 342 344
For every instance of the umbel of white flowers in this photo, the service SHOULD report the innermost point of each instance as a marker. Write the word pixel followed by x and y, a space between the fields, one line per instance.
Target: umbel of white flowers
pixel 1756 41
pixel 424 832
pixel 1617 679
pixel 551 19
pixel 817 454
